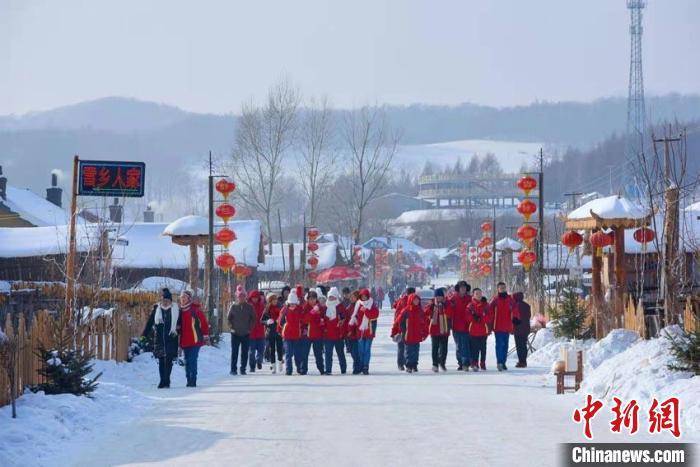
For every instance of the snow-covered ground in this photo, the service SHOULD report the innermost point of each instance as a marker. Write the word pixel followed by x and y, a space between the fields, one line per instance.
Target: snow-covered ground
pixel 386 418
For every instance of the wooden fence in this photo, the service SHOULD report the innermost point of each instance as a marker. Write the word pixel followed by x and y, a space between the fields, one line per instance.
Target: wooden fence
pixel 106 337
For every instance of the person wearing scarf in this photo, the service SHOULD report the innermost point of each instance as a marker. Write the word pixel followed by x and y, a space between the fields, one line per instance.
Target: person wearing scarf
pixel 398 305
pixel 412 326
pixel 162 329
pixel 241 321
pixel 504 312
pixel 365 319
pixel 194 333
pixel 438 315
pixel 478 330
pixel 351 332
pixel 332 332
pixel 290 327
pixel 257 333
pixel 314 312
pixel 274 339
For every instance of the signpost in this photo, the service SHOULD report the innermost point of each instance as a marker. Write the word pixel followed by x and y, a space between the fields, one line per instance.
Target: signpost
pixel 98 178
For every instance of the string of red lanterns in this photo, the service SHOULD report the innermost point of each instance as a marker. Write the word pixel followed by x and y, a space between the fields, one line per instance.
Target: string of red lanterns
pixel 225 235
pixel 527 233
pixel 312 234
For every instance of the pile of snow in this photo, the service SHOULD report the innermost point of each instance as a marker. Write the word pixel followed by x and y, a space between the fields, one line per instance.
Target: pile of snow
pixel 616 342
pixel 188 225
pixel 47 424
pixel 641 372
pixel 548 348
pixel 87 313
pixel 610 207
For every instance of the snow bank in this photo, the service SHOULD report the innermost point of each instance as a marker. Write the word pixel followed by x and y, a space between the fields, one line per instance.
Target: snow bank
pixel 641 372
pixel 617 341
pixel 549 347
pixel 53 429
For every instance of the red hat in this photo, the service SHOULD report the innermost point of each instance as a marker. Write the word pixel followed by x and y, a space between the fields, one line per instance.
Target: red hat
pixel 240 292
pixel 365 292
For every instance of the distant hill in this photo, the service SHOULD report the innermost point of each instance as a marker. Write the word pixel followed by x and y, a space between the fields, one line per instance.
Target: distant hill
pixel 171 140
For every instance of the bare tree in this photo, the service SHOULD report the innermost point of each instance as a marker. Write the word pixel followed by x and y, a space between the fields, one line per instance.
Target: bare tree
pixel 317 155
pixel 371 147
pixel 263 138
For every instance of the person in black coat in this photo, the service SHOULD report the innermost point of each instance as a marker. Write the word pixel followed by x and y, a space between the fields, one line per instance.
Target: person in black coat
pixel 162 329
pixel 521 329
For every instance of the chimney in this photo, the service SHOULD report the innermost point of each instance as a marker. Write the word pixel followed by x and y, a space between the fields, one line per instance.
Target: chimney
pixel 3 185
pixel 149 215
pixel 115 212
pixel 54 194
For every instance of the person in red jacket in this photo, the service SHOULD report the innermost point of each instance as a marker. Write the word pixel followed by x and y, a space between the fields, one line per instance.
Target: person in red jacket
pixel 437 313
pixel 504 313
pixel 314 311
pixel 478 329
pixel 274 340
pixel 290 323
pixel 412 326
pixel 333 332
pixel 352 333
pixel 257 334
pixel 460 321
pixel 400 345
pixel 364 318
pixel 194 333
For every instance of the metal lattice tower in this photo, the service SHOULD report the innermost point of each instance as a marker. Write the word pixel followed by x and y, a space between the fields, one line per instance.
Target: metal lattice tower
pixel 636 114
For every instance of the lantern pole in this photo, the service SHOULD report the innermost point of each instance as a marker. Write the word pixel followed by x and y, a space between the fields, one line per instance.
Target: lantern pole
pixel 493 247
pixel 70 258
pixel 540 185
pixel 302 254
pixel 210 256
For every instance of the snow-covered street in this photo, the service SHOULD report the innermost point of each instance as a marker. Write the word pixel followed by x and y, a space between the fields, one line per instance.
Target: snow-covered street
pixel 386 418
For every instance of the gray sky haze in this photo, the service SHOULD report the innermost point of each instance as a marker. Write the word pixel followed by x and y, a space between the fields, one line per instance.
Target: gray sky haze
pixel 209 56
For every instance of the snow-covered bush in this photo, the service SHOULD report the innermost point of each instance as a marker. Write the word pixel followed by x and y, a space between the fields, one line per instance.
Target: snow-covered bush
pixel 66 372
pixel 685 348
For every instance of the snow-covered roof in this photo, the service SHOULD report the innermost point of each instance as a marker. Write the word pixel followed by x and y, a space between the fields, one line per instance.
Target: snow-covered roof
pixel 24 242
pixel 147 247
pixel 695 207
pixel 393 243
pixel 188 225
pixel 33 208
pixel 157 283
pixel 508 243
pixel 610 207
pixel 274 263
pixel 430 215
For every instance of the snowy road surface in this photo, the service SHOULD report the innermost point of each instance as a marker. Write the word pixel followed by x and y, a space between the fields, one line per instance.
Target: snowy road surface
pixel 386 418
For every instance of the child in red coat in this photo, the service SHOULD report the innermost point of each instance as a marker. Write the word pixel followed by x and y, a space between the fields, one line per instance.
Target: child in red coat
pixel 411 324
pixel 364 319
pixel 438 314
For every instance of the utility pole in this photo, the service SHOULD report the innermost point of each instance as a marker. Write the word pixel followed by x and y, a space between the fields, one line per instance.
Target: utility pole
pixel 669 276
pixel 493 257
pixel 574 205
pixel 540 253
pixel 70 258
pixel 209 272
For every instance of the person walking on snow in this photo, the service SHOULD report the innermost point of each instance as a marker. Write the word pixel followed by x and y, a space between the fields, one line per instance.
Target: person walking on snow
pixel 162 328
pixel 366 321
pixel 398 338
pixel 521 329
pixel 504 313
pixel 241 320
pixel 438 315
pixel 274 341
pixel 313 319
pixel 332 332
pixel 257 333
pixel 459 302
pixel 352 333
pixel 478 329
pixel 290 327
pixel 194 333
pixel 411 325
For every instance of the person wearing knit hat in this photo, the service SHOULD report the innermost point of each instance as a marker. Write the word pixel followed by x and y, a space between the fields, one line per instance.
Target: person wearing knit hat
pixel 161 328
pixel 365 318
pixel 290 327
pixel 241 320
pixel 194 333
pixel 314 317
pixel 438 315
pixel 274 340
pixel 332 332
pixel 459 302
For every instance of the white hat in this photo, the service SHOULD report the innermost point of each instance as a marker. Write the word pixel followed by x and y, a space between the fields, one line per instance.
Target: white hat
pixel 292 299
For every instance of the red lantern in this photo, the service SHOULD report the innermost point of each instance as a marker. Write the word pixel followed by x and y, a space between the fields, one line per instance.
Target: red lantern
pixel 313 233
pixel 644 235
pixel 600 240
pixel 571 239
pixel 484 242
pixel 313 261
pixel 312 246
pixel 225 261
pixel 225 211
pixel 225 236
pixel 527 258
pixel 486 227
pixel 241 270
pixel 527 184
pixel 485 255
pixel 225 187
pixel 527 208
pixel 527 234
pixel 486 269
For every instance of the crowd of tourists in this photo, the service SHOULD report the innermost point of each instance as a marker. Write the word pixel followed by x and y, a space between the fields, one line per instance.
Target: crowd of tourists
pixel 283 330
